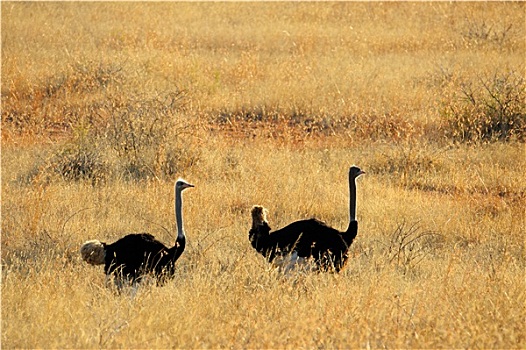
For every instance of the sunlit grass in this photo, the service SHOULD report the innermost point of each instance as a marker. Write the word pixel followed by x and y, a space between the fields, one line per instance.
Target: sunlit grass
pixel 274 102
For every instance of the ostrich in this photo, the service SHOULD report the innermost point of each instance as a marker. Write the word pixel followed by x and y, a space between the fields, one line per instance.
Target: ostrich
pixel 306 239
pixel 138 254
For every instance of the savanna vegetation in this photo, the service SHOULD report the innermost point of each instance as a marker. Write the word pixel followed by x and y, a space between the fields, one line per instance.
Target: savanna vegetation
pixel 104 105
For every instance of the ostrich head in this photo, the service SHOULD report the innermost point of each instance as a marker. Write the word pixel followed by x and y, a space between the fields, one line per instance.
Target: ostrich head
pixel 259 216
pixel 93 252
pixel 181 184
pixel 354 172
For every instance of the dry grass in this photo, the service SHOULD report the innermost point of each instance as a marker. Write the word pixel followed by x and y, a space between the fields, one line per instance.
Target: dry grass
pixel 105 104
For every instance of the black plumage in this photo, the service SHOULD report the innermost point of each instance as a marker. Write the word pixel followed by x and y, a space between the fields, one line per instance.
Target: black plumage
pixel 138 254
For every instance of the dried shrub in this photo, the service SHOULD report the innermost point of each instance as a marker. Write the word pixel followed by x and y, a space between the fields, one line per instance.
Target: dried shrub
pixel 79 163
pixel 480 33
pixel 408 245
pixel 148 138
pixel 139 123
pixel 142 140
pixel 175 158
pixel 487 109
pixel 80 159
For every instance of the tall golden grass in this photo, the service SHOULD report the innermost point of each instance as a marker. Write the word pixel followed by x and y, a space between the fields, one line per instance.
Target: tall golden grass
pixel 105 104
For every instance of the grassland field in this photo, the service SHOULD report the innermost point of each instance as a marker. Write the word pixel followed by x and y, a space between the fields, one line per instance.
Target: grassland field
pixel 105 104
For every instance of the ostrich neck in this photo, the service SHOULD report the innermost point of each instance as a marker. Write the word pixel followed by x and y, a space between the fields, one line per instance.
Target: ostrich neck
pixel 179 214
pixel 352 200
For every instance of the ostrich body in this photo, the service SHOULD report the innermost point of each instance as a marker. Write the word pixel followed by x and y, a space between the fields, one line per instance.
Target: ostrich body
pixel 139 254
pixel 307 239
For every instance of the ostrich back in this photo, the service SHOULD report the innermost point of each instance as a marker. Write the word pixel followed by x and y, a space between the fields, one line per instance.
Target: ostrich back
pixel 308 238
pixel 137 254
